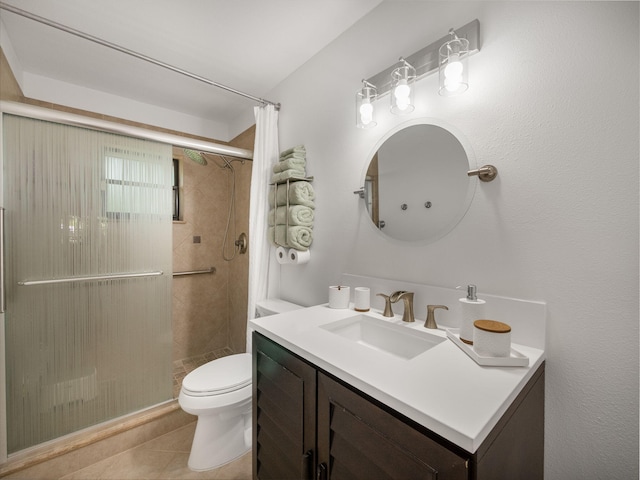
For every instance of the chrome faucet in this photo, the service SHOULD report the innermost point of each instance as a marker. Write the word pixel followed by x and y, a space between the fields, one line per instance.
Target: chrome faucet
pixel 407 297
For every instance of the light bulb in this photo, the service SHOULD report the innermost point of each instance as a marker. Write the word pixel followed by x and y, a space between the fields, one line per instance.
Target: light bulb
pixel 454 68
pixel 453 73
pixel 452 83
pixel 402 88
pixel 402 92
pixel 402 103
pixel 366 112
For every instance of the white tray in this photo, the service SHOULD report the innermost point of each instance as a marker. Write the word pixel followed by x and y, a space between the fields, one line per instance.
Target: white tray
pixel 516 359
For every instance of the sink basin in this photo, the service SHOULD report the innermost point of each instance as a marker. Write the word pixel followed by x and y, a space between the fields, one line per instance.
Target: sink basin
pixel 384 336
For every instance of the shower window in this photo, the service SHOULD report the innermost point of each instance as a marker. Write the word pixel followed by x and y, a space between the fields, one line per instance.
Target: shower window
pixel 130 181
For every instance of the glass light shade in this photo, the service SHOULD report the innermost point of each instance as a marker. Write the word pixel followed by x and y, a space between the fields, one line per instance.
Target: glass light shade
pixel 402 80
pixel 453 67
pixel 365 113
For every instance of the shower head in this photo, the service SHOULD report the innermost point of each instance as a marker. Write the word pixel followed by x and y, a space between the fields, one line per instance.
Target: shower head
pixel 201 158
pixel 195 156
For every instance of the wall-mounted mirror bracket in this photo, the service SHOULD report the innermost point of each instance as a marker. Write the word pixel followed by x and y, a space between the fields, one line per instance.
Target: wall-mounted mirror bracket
pixel 486 173
pixel 360 192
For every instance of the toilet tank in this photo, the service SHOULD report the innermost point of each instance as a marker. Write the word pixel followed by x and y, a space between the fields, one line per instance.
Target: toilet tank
pixel 272 306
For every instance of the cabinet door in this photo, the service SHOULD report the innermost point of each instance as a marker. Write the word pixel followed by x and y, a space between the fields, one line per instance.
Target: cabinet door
pixel 284 408
pixel 359 440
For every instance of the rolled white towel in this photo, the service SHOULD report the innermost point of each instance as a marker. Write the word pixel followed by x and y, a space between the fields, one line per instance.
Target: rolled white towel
pixel 290 164
pixel 298 236
pixel 295 156
pixel 294 215
pixel 300 193
pixel 287 175
pixel 299 149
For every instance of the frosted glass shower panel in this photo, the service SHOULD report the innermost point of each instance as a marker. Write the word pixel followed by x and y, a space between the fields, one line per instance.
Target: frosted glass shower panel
pixel 81 206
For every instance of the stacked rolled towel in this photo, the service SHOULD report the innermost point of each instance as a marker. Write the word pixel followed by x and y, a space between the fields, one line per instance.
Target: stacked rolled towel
pixel 292 226
pixel 292 204
pixel 294 215
pixel 292 165
pixel 297 236
pixel 299 193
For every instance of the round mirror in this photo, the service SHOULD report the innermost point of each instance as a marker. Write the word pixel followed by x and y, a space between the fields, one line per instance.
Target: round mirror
pixel 416 185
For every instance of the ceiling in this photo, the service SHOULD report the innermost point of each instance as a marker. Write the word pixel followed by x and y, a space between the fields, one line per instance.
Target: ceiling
pixel 248 45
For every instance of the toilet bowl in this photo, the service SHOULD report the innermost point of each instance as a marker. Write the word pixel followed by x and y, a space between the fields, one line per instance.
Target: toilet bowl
pixel 219 393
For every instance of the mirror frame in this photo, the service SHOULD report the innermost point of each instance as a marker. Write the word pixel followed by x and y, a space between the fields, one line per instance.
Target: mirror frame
pixel 470 190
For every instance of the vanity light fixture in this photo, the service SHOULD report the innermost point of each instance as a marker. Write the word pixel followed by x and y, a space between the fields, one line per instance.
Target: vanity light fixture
pixel 455 49
pixel 453 66
pixel 365 114
pixel 402 79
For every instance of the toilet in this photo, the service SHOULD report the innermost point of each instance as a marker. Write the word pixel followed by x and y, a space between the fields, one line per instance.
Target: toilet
pixel 219 394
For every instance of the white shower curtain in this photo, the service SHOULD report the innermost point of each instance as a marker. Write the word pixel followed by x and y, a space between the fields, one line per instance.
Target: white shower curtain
pixel 265 155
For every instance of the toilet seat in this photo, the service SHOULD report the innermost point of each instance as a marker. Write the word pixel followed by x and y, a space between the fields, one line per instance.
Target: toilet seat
pixel 220 376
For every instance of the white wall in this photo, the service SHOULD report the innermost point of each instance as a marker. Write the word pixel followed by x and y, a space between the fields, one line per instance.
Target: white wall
pixel 554 105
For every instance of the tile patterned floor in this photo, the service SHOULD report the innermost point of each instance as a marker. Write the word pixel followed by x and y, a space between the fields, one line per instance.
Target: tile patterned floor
pixel 164 457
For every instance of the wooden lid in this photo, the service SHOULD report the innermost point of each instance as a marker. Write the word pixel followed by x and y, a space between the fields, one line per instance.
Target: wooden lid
pixel 492 326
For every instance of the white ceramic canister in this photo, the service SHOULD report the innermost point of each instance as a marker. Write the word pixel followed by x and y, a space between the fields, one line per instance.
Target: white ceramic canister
pixel 361 299
pixel 491 338
pixel 339 296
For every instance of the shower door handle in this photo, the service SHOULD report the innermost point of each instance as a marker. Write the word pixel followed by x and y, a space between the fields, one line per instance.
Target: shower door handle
pixel 2 302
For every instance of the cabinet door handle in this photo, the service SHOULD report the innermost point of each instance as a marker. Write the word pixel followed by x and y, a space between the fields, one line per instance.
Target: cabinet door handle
pixel 322 471
pixel 307 465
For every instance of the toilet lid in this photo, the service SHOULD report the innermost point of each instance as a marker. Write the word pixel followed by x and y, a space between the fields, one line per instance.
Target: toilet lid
pixel 219 376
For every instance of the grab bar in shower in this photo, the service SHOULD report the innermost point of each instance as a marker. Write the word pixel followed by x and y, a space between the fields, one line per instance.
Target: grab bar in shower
pixel 195 272
pixel 113 276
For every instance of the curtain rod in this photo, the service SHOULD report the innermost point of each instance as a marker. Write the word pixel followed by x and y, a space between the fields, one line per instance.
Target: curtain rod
pixel 59 116
pixel 127 51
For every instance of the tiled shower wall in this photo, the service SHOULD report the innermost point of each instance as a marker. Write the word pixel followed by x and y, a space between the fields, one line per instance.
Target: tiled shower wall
pixel 209 310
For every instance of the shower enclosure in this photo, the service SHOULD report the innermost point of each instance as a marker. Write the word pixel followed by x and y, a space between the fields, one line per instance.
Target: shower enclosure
pixel 88 264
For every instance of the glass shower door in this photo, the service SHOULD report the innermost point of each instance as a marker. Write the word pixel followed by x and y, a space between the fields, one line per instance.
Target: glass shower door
pixel 88 277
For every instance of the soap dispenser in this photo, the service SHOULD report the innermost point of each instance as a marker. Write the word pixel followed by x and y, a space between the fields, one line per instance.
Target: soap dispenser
pixel 472 310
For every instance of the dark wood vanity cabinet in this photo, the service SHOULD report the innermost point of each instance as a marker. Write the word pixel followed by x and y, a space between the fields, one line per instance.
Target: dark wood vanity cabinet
pixel 309 425
pixel 284 413
pixel 359 440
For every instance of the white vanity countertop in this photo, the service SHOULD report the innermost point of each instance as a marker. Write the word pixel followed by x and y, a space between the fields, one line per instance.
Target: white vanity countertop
pixel 442 389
